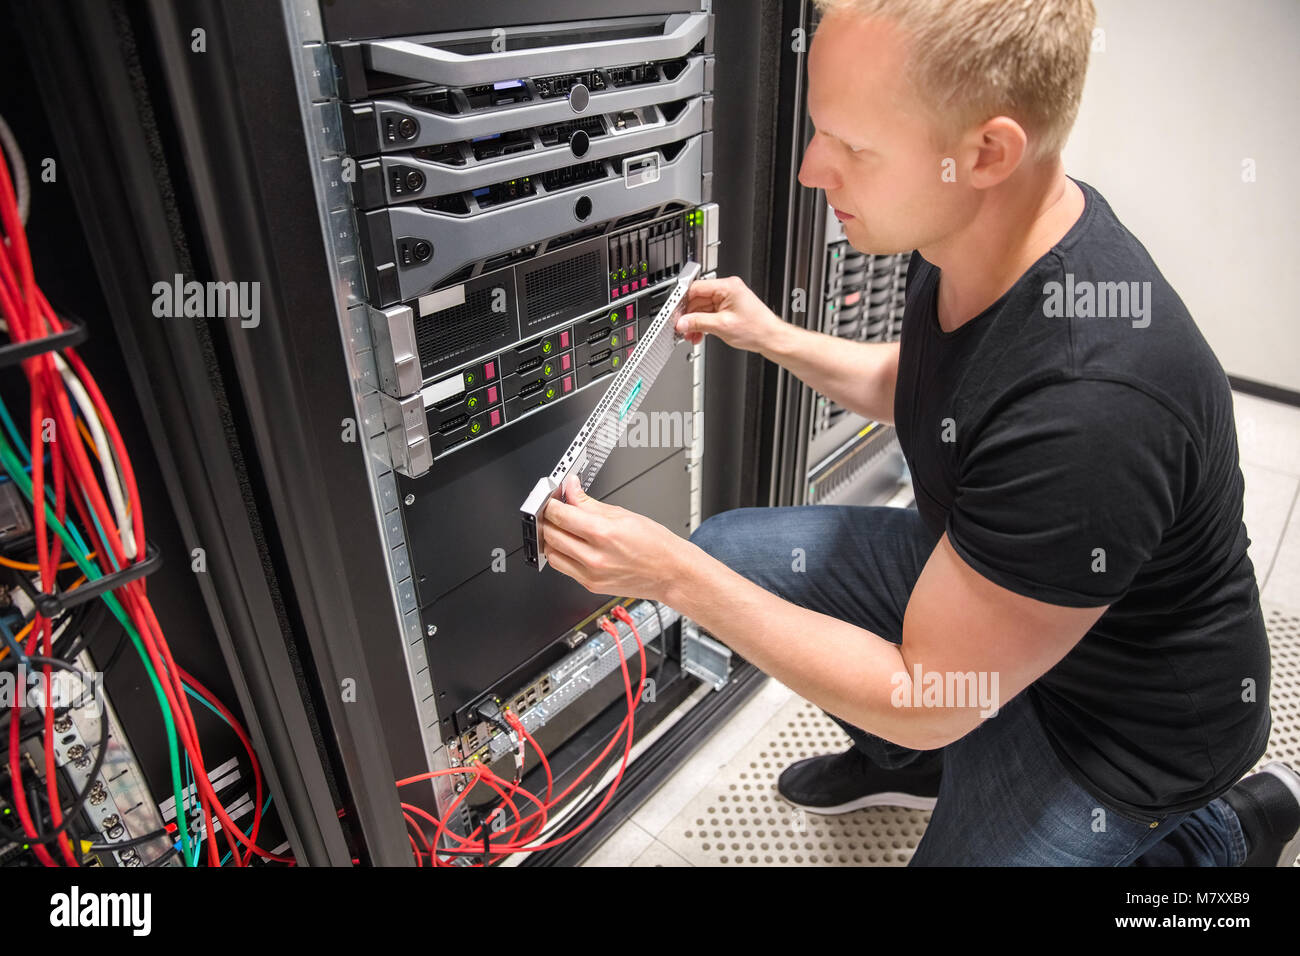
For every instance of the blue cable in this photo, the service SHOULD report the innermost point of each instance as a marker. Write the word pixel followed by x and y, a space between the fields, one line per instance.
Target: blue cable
pixel 11 641
pixel 189 787
pixel 202 700
pixel 5 477
pixel 249 832
pixel 108 552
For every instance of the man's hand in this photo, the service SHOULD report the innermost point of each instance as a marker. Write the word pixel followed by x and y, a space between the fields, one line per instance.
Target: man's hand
pixel 607 549
pixel 730 310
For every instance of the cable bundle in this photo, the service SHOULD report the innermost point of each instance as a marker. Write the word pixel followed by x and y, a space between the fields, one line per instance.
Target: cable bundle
pixel 69 425
pixel 482 842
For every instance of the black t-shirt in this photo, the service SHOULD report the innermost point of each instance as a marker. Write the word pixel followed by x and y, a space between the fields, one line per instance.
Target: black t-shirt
pixel 1076 442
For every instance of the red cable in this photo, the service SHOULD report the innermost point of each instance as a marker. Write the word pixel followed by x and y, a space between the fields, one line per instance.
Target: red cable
pixel 238 728
pixel 420 833
pixel 520 729
pixel 486 774
pixel 627 749
pixel 43 626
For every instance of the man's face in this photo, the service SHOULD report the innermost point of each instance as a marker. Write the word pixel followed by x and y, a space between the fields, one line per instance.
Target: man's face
pixel 892 185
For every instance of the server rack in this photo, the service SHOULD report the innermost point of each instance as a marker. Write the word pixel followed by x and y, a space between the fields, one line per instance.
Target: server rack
pixel 170 159
pixel 822 453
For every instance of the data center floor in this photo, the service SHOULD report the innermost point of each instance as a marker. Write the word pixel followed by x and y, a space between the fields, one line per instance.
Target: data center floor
pixel 721 808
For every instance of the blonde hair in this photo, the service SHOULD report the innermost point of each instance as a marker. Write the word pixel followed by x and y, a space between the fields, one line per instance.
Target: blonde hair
pixel 971 60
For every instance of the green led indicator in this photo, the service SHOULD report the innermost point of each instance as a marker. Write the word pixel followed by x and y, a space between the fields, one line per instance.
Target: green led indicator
pixel 473 401
pixel 475 428
pixel 613 341
pixel 546 348
pixel 547 371
pixel 550 393
pixel 614 362
pixel 469 378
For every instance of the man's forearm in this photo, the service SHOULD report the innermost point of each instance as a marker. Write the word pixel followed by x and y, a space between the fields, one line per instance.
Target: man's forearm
pixel 844 669
pixel 861 376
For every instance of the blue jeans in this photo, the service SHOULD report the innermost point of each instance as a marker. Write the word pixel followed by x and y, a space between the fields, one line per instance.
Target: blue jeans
pixel 1005 798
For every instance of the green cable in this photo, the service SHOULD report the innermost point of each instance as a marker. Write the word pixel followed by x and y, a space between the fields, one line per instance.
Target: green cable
pixel 13 432
pixel 267 802
pixel 49 492
pixel 24 483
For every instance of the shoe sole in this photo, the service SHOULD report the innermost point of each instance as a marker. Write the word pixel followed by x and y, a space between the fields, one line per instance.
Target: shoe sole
pixel 908 801
pixel 1291 780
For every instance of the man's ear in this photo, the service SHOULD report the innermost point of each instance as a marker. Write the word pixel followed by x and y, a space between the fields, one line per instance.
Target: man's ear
pixel 995 149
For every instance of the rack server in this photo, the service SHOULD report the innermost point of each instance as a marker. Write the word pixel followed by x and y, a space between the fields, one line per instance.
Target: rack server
pixel 824 453
pixel 462 220
pixel 852 460
pixel 518 213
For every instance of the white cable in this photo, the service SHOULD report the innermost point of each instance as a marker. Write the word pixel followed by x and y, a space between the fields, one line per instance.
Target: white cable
pixel 112 474
pixel 108 461
pixel 22 185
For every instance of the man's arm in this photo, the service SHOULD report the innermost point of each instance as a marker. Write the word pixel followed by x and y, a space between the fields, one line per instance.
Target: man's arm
pixel 957 623
pixel 861 376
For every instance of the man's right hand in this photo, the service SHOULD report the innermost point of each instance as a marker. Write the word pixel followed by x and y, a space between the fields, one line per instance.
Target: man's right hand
pixel 861 376
pixel 728 309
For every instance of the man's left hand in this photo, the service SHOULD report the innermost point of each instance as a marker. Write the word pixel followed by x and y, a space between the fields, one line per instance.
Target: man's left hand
pixel 607 549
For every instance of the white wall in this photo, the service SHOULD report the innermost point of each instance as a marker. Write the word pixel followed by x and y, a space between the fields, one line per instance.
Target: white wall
pixel 1184 91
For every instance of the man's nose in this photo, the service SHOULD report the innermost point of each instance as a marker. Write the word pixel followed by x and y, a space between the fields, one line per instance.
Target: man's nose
pixel 815 172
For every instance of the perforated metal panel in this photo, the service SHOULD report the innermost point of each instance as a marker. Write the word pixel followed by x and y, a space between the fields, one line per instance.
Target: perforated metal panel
pixel 461 331
pixel 573 285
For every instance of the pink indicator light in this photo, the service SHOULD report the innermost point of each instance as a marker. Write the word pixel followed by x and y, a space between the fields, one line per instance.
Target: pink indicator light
pixel 564 362
pixel 564 339
pixel 492 394
pixel 490 371
pixel 568 383
pixel 495 418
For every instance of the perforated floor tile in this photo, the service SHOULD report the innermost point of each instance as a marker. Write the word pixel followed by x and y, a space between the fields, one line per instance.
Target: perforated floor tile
pixel 738 819
pixel 1284 643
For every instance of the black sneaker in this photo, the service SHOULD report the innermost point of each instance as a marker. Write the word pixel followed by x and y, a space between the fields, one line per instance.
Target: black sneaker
pixel 841 783
pixel 1268 805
